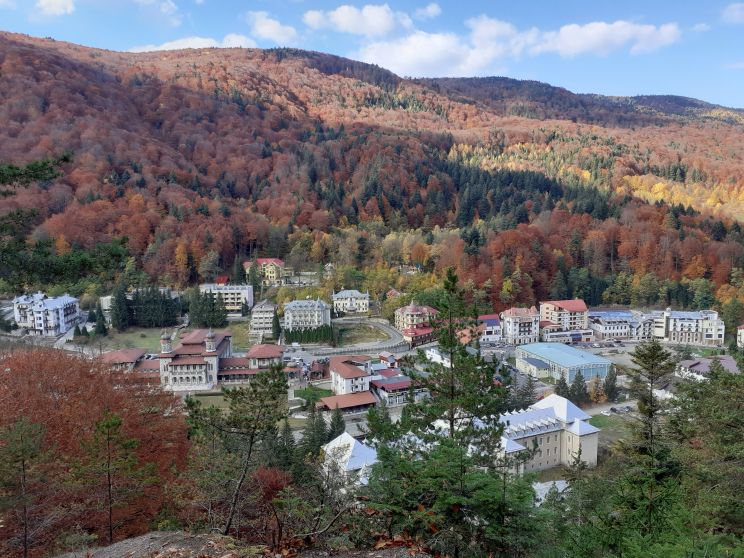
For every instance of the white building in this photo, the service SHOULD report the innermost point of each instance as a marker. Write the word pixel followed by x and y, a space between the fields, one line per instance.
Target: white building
pixel 349 457
pixel 262 318
pixel 702 327
pixel 351 374
pixel 489 326
pixel 621 324
pixel 565 321
pixel 234 296
pixel 553 360
pixel 520 325
pixel 351 301
pixel 740 336
pixel 306 314
pixel 557 427
pixel 41 315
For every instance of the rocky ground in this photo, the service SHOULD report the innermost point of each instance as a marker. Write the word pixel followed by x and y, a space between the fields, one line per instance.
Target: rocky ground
pixel 184 545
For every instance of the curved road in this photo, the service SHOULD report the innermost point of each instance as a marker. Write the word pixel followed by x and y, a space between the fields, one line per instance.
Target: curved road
pixel 394 343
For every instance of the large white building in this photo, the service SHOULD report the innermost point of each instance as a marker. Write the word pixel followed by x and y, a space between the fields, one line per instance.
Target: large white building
pixel 351 301
pixel 565 321
pixel 557 427
pixel 349 457
pixel 41 315
pixel 553 360
pixel 620 324
pixel 306 314
pixel 520 325
pixel 702 327
pixel 262 318
pixel 234 296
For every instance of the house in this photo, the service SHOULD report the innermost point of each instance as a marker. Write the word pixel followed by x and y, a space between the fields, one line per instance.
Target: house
pixel 699 368
pixel 262 319
pixel 520 325
pixel 306 314
pixel 740 336
pixel 41 315
pixel 272 271
pixel 350 374
pixel 554 360
pixel 437 356
pixel 358 402
pixel 620 324
pixel 349 457
pixel 565 321
pixel 703 327
pixel 265 356
pixel 124 359
pixel 234 296
pixel 490 328
pixel 558 430
pixel 396 390
pixel 414 322
pixel 350 301
pixel 389 359
pixel 392 293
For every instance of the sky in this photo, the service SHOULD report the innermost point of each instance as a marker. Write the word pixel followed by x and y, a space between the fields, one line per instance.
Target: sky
pixel 691 48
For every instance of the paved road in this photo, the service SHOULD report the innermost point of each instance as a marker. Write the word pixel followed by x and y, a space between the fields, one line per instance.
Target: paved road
pixel 606 407
pixel 394 343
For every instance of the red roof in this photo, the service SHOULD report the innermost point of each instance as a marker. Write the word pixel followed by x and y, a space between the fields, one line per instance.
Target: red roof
pixel 148 365
pixel 347 401
pixel 222 279
pixel 547 323
pixel 484 317
pixel 520 312
pixel 741 326
pixel 388 373
pixel 123 356
pixel 575 305
pixel 417 331
pixel 233 362
pixel 344 366
pixel 392 386
pixel 267 350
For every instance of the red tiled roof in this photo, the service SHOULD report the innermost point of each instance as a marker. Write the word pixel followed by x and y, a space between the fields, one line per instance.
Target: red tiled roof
pixel 221 279
pixel 195 337
pixel 148 365
pixel 123 356
pixel 392 386
pixel 417 331
pixel 347 401
pixel 520 312
pixel 484 317
pixel 266 351
pixel 575 305
pixel 344 367
pixel 388 373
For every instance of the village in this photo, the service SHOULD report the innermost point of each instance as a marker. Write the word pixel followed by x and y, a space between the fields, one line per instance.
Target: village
pixel 533 348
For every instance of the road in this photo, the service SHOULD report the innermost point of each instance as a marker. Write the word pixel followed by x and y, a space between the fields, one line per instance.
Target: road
pixel 606 407
pixel 395 342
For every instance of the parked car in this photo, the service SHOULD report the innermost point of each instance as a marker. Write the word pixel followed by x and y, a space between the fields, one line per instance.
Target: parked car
pixel 613 409
pixel 606 413
pixel 627 408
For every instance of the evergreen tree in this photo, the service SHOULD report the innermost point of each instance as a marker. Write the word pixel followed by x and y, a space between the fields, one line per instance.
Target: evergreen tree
pixel 84 331
pixel 92 316
pixel 578 392
pixel 237 272
pixel 559 287
pixel 276 329
pixel 610 385
pixel 76 332
pixel 561 387
pixel 286 447
pixel 337 426
pixel 110 472
pixel 254 278
pixel 120 309
pixel 101 328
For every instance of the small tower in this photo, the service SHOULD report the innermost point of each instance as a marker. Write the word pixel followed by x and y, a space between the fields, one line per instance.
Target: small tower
pixel 209 342
pixel 165 343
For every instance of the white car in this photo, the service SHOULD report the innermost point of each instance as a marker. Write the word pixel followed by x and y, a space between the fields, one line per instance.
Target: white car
pixel 606 413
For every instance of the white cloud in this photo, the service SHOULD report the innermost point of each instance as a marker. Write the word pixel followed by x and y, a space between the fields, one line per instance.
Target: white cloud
pixel 372 20
pixel 490 43
pixel 229 41
pixel 701 28
pixel 734 13
pixel 603 38
pixel 55 7
pixel 265 27
pixel 165 9
pixel 428 12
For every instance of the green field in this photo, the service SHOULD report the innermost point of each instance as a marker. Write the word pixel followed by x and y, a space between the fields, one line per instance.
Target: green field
pixel 148 339
pixel 354 334
pixel 612 428
pixel 240 332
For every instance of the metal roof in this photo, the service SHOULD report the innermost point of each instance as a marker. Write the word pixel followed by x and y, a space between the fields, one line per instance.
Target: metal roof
pixel 563 355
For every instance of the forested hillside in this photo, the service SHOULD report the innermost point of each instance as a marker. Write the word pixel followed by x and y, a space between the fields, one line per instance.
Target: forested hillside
pixel 184 161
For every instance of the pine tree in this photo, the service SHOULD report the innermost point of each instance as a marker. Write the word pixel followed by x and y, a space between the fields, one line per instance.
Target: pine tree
pixel 610 385
pixel 578 392
pixel 337 426
pixel 253 276
pixel 119 309
pixel 561 387
pixel 101 328
pixel 286 447
pixel 276 329
pixel 76 333
pixel 92 316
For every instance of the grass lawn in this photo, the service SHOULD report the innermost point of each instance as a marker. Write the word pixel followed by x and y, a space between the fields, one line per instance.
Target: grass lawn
pixel 612 428
pixel 360 333
pixel 240 332
pixel 312 391
pixel 148 339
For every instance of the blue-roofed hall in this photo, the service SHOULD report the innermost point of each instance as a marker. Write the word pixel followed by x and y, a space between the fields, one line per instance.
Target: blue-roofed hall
pixel 553 360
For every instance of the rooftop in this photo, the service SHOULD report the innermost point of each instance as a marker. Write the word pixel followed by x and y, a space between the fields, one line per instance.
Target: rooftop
pixel 350 454
pixel 306 305
pixel 702 365
pixel 123 356
pixel 575 305
pixel 265 351
pixel 348 401
pixel 520 312
pixel 562 354
pixel 350 293
pixel 348 367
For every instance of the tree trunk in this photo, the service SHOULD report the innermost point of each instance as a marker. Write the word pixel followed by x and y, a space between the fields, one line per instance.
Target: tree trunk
pixel 238 487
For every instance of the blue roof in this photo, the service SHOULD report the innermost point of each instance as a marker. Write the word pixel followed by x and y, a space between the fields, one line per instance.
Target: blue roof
pixel 563 355
pixel 537 363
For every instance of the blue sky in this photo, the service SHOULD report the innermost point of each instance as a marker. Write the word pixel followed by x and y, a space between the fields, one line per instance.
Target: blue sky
pixel 692 48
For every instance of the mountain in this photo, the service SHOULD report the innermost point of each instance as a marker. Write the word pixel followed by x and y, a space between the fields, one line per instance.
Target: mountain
pixel 300 154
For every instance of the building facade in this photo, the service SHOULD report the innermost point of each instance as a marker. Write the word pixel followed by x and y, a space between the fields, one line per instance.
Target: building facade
pixel 520 326
pixel 565 321
pixel 41 315
pixel 262 319
pixel 350 374
pixel 554 360
pixel 621 325
pixel 306 314
pixel 740 336
pixel 234 296
pixel 702 328
pixel 489 326
pixel 558 429
pixel 351 301
pixel 272 271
